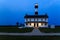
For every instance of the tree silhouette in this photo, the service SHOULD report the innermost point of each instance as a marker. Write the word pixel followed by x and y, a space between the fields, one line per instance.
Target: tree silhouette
pixel 17 24
pixel 21 24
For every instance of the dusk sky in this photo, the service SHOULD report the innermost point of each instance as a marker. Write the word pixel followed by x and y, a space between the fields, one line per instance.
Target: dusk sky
pixel 12 11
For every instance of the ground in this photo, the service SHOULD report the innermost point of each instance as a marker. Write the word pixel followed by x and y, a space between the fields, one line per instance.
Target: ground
pixel 7 37
pixel 15 37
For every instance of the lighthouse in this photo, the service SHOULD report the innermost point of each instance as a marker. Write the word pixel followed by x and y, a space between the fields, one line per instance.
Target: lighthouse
pixel 36 20
pixel 36 9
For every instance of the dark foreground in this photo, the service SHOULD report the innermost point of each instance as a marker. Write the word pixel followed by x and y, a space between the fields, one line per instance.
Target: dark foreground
pixel 6 37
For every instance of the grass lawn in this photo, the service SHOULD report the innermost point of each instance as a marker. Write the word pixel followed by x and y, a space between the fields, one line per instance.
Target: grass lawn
pixel 15 29
pixel 29 37
pixel 50 30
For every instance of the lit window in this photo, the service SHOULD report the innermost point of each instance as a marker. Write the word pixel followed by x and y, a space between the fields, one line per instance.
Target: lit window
pixel 32 24
pixel 39 24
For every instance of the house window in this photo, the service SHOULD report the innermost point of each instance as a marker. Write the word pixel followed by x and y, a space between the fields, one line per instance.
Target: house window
pixel 32 19
pixel 28 23
pixel 39 19
pixel 25 20
pixel 35 19
pixel 46 20
pixel 32 24
pixel 45 23
pixel 39 24
pixel 28 19
pixel 43 19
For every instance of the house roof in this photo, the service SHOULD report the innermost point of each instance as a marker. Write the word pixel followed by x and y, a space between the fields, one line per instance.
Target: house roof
pixel 36 16
pixel 36 22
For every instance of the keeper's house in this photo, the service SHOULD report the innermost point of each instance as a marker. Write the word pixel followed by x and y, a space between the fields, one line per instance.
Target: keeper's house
pixel 36 20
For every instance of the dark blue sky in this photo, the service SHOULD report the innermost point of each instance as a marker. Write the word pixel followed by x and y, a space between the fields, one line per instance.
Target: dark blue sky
pixel 12 11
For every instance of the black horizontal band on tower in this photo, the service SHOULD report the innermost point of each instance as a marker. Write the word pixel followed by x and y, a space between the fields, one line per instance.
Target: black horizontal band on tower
pixel 36 13
pixel 36 6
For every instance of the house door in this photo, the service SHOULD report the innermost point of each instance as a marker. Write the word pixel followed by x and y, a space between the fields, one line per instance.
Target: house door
pixel 36 25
